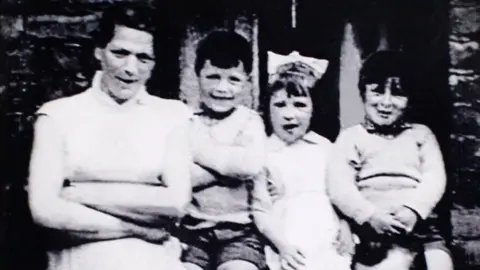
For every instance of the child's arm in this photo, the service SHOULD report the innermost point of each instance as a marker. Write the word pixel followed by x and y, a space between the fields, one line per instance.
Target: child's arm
pixel 341 180
pixel 432 186
pixel 268 226
pixel 240 161
pixel 275 186
pixel 288 253
pixel 345 241
pixel 201 177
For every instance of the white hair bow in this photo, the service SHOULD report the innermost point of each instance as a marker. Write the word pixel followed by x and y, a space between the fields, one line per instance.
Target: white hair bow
pixel 294 64
pixel 277 60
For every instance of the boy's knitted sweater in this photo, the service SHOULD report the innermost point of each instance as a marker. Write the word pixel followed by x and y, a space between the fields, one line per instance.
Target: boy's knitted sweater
pixel 368 171
pixel 237 147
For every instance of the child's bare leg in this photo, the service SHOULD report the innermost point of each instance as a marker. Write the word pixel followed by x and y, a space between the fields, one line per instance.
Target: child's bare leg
pixel 397 259
pixel 438 259
pixel 237 265
pixel 191 266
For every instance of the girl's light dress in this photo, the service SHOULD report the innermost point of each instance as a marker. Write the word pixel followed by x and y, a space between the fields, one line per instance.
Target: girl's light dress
pixel 304 211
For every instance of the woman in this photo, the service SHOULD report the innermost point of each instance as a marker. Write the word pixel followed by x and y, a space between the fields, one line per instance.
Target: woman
pixel 297 165
pixel 109 166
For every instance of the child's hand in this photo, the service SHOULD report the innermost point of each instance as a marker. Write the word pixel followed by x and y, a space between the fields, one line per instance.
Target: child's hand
pixel 385 223
pixel 407 217
pixel 291 258
pixel 174 247
pixel 275 185
pixel 345 242
pixel 200 176
pixel 276 191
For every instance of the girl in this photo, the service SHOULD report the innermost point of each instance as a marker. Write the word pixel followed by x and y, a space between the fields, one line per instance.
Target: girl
pixel 387 174
pixel 297 163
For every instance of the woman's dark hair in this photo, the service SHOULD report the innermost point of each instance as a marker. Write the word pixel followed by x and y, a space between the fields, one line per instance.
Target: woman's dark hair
pixel 381 65
pixel 224 49
pixel 136 16
pixel 292 84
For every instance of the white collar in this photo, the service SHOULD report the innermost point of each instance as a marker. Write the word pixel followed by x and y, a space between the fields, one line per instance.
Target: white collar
pixel 274 143
pixel 312 138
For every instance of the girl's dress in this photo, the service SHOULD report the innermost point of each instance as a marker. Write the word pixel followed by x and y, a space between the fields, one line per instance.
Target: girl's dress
pixel 304 211
pixel 105 141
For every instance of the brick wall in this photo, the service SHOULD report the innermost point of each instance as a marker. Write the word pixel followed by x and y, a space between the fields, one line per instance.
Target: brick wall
pixel 465 86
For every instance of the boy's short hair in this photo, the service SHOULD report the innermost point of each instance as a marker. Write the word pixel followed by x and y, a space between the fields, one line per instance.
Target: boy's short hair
pixel 224 49
pixel 381 65
pixel 136 16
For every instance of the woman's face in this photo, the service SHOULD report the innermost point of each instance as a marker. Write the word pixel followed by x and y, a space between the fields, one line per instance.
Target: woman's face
pixel 290 115
pixel 127 62
pixel 385 105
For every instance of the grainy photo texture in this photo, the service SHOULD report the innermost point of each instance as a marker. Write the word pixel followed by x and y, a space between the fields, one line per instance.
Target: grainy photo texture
pixel 245 135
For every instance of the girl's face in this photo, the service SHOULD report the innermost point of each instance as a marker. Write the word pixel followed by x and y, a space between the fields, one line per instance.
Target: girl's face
pixel 385 104
pixel 290 115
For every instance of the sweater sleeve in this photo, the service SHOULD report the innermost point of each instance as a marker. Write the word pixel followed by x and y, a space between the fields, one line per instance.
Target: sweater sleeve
pixel 261 201
pixel 242 160
pixel 433 182
pixel 341 179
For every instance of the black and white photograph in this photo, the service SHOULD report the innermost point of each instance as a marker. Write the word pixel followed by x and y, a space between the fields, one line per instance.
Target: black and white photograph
pixel 239 135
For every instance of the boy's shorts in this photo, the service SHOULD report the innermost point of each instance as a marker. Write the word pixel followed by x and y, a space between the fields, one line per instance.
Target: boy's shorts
pixel 373 247
pixel 428 233
pixel 208 248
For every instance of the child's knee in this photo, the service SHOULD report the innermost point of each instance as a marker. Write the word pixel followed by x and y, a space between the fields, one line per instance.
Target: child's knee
pixel 237 265
pixel 397 259
pixel 438 259
pixel 191 266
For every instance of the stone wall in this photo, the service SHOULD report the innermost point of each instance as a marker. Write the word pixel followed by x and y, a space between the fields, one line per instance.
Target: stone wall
pixel 465 86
